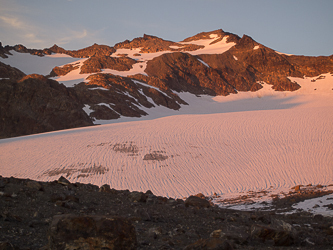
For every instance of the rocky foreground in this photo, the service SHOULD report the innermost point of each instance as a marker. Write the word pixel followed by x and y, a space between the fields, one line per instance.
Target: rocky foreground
pixel 63 215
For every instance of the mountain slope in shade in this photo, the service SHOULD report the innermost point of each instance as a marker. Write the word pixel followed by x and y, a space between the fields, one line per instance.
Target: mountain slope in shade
pixel 126 80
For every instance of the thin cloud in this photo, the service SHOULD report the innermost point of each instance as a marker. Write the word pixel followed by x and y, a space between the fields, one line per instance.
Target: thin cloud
pixel 16 30
pixel 13 22
pixel 77 39
pixel 73 35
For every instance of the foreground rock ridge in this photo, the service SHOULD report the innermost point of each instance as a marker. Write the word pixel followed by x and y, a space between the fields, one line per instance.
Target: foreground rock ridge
pixel 133 76
pixel 64 215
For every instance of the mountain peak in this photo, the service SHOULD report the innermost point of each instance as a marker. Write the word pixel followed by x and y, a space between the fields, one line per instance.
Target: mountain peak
pixel 219 33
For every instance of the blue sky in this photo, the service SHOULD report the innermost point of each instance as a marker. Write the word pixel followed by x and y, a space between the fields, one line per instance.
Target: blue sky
pixel 302 27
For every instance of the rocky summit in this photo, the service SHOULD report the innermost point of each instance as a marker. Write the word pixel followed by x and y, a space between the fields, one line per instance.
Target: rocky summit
pixel 64 215
pixel 133 76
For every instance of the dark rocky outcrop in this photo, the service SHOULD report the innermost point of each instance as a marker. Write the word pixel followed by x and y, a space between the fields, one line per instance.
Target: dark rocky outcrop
pixel 184 72
pixel 6 71
pixel 5 51
pixel 95 63
pixel 93 50
pixel 195 201
pixel 123 96
pixel 36 104
pixel 64 70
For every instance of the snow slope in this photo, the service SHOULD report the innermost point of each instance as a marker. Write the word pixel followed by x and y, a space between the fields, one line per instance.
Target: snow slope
pixel 211 47
pixel 228 145
pixel 32 64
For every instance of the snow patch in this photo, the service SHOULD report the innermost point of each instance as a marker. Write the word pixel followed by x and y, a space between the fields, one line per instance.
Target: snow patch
pixel 203 63
pixel 213 36
pixel 73 77
pixel 146 85
pixel 321 84
pixel 215 48
pixel 256 47
pixel 283 53
pixel 87 109
pixel 321 205
pixel 98 88
pixel 235 58
pixel 175 46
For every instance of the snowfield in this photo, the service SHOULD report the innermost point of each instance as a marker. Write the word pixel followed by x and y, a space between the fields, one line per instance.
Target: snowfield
pixel 36 64
pixel 249 141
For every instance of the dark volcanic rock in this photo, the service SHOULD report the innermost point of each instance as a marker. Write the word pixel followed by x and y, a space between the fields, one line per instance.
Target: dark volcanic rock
pixel 91 232
pixel 36 104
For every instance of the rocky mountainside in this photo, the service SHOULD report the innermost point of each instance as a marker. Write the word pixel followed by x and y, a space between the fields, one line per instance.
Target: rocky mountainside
pixel 133 76
pixel 36 104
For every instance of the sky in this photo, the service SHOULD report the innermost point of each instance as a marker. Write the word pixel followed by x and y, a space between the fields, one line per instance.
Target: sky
pixel 301 27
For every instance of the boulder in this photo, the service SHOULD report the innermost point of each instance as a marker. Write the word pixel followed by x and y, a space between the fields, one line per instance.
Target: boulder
pixel 195 201
pixel 105 188
pixel 63 181
pixel 34 185
pixel 137 196
pixel 91 232
pixel 280 237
